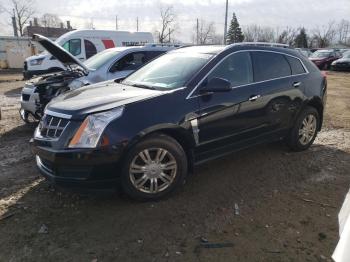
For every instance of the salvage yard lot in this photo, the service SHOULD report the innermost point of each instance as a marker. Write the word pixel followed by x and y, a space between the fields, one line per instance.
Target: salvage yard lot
pixel 261 204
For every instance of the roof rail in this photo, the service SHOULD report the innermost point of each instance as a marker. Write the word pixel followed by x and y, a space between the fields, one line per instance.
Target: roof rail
pixel 263 44
pixel 163 45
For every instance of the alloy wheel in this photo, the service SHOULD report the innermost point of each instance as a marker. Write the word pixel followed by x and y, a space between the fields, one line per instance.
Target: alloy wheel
pixel 153 170
pixel 308 129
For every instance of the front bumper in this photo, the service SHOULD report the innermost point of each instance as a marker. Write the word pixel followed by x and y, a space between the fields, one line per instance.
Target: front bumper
pixel 89 168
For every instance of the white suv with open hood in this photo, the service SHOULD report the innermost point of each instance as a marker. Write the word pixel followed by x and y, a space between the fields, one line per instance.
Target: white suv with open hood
pixel 113 63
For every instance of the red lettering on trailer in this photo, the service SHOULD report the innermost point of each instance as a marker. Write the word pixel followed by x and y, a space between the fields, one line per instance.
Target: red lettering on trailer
pixel 108 43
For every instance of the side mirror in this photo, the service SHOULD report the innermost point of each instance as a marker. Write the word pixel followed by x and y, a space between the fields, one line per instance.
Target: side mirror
pixel 216 84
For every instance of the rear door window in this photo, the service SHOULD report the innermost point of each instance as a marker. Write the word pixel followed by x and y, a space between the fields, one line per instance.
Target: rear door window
pixel 296 66
pixel 269 65
pixel 237 69
pixel 90 49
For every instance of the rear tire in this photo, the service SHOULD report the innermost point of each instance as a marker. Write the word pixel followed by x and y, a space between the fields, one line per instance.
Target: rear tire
pixel 305 129
pixel 154 168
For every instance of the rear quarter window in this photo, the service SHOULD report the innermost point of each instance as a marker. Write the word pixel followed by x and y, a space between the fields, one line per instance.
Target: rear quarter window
pixel 296 66
pixel 269 65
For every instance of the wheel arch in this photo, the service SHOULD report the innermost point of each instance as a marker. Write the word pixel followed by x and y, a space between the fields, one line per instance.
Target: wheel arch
pixel 317 103
pixel 179 133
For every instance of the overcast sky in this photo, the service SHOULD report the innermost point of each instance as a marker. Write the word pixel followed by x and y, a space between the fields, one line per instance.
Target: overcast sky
pixel 282 13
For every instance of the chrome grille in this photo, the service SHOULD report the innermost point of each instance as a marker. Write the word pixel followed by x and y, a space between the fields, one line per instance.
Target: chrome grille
pixel 52 127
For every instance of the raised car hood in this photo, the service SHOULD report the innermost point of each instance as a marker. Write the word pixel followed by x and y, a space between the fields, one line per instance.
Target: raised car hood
pixel 98 97
pixel 59 52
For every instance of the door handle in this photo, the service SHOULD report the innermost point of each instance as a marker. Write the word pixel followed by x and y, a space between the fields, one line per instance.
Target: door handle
pixel 254 98
pixel 296 84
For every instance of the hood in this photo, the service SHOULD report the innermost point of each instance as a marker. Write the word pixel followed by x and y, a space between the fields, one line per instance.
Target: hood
pixel 38 56
pixel 98 97
pixel 59 52
pixel 342 60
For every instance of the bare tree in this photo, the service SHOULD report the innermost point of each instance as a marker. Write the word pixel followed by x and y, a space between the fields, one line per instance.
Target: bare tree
pixel 343 30
pixel 23 10
pixel 168 19
pixel 256 33
pixel 205 34
pixel 50 20
pixel 325 35
pixel 288 36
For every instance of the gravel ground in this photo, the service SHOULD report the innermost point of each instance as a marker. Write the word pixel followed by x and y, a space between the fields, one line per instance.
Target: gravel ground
pixel 261 204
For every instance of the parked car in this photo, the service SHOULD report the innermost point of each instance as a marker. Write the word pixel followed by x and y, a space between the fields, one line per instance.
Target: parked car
pixel 83 44
pixel 304 51
pixel 342 64
pixel 109 64
pixel 323 58
pixel 188 106
pixel 344 50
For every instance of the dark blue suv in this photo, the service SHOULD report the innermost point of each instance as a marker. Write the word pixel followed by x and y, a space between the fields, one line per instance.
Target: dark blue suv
pixel 147 131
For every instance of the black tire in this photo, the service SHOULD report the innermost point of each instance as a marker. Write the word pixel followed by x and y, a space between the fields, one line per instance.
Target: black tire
pixel 154 142
pixel 293 138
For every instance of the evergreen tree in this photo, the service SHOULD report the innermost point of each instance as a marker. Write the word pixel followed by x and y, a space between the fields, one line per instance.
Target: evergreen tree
pixel 234 34
pixel 301 39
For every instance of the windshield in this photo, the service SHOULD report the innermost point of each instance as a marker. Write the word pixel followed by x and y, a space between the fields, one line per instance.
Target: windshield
pixel 170 71
pixel 100 59
pixel 346 55
pixel 321 54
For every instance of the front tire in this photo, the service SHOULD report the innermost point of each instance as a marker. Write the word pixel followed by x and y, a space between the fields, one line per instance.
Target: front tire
pixel 305 129
pixel 154 168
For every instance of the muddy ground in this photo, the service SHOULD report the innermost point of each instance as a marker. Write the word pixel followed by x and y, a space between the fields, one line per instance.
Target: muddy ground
pixel 261 204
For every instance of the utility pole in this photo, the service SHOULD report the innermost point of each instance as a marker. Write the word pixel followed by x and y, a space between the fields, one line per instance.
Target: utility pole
pixel 197 31
pixel 14 24
pixel 137 24
pixel 116 22
pixel 225 30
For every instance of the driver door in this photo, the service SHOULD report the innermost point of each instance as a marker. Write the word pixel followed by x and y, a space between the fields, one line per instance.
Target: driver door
pixel 228 118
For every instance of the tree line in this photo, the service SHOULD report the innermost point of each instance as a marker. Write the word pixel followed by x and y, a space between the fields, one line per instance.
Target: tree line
pixel 204 31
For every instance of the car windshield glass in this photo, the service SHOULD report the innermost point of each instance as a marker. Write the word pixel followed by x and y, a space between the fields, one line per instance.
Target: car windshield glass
pixel 322 54
pixel 346 55
pixel 100 59
pixel 169 71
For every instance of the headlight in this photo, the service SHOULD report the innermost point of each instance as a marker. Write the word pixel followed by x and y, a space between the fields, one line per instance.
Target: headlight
pixel 90 131
pixel 333 63
pixel 36 61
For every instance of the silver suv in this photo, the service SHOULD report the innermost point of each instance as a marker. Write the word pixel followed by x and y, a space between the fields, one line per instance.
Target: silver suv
pixel 113 63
